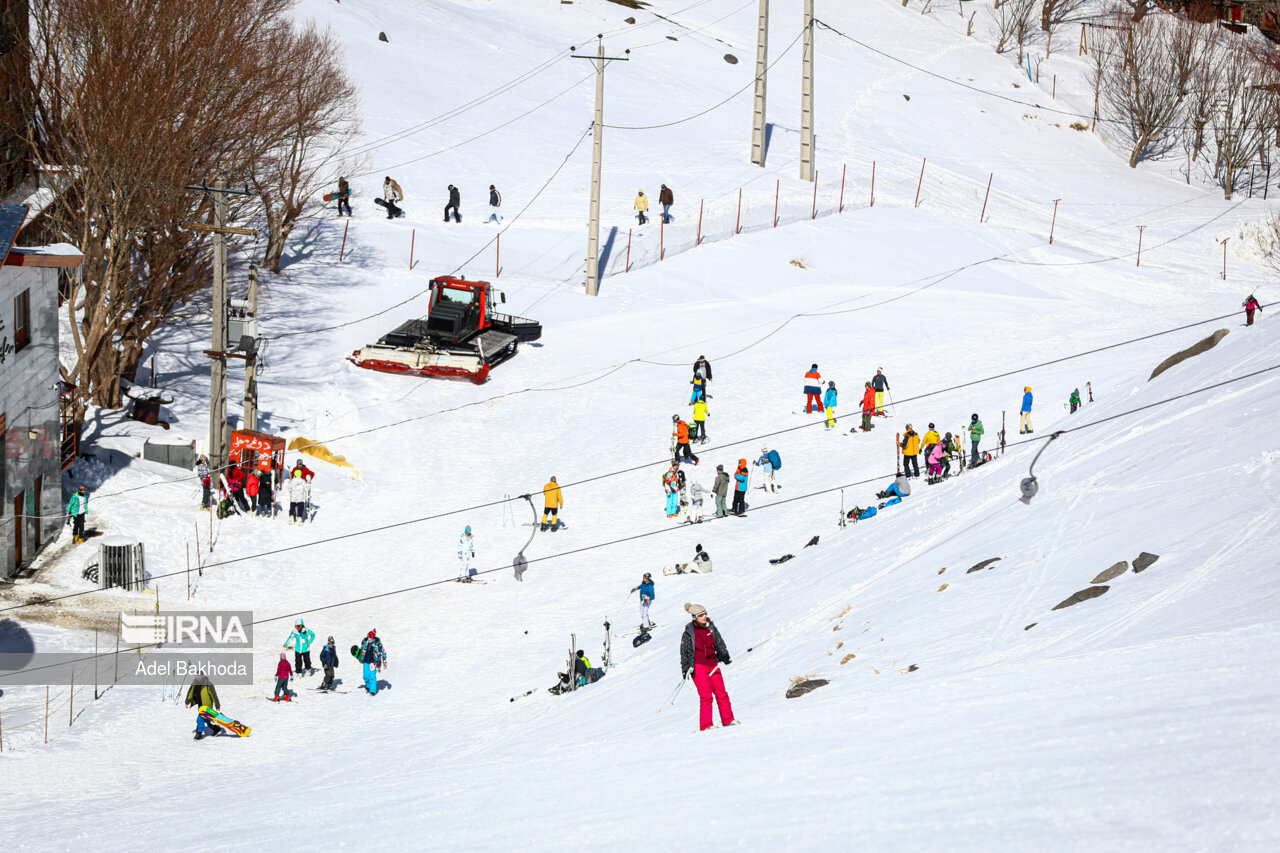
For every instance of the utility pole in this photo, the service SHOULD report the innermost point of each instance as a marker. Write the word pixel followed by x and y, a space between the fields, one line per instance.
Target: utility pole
pixel 593 227
pixel 251 362
pixel 806 97
pixel 762 69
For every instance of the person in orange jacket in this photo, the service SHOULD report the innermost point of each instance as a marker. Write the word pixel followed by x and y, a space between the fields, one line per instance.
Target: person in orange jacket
pixel 552 500
pixel 682 452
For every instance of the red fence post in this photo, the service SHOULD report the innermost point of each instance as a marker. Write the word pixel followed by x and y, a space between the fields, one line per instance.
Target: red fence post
pixel 1055 220
pixel 497 257
pixel 920 183
pixel 983 214
pixel 776 190
pixel 814 215
pixel 1140 228
pixel 343 250
pixel 698 242
pixel 737 226
pixel 628 267
pixel 413 235
pixel 873 183
pixel 843 169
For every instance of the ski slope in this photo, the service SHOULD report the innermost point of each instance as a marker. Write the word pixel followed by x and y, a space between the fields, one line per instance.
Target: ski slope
pixel 1141 719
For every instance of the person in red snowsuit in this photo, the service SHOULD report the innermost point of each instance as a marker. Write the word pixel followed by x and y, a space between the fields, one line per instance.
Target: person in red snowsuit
pixel 703 652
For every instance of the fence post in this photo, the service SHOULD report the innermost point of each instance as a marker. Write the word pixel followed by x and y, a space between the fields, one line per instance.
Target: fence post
pixel 343 250
pixel 777 188
pixel 627 268
pixel 116 677
pixel 737 226
pixel 1054 223
pixel 662 239
pixel 497 256
pixel 698 242
pixel 814 215
pixel 873 183
pixel 71 703
pixel 188 544
pixel 413 236
pixel 983 215
pixel 46 712
pixel 920 183
pixel 843 168
pixel 1140 228
pixel 95 664
pixel 1224 257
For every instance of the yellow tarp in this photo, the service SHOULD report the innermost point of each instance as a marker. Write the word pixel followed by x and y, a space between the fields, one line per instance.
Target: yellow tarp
pixel 319 451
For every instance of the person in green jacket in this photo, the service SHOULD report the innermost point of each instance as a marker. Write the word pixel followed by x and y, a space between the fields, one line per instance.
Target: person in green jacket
pixel 975 435
pixel 200 695
pixel 76 509
pixel 1074 400
pixel 302 638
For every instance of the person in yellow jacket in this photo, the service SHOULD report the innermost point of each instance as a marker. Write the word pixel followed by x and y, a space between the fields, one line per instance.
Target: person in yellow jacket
pixel 930 439
pixel 641 205
pixel 552 500
pixel 700 415
pixel 910 450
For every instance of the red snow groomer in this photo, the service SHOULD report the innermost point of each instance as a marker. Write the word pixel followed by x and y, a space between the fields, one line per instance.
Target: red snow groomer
pixel 462 336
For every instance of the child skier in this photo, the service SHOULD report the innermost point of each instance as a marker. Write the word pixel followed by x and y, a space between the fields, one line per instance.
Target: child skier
pixel 646 598
pixel 934 462
pixel 328 660
pixel 670 485
pixel 702 654
pixel 466 552
pixel 299 495
pixel 283 672
pixel 695 502
pixel 77 507
pixel 374 658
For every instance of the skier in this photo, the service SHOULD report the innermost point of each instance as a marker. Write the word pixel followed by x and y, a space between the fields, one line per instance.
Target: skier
pixel 868 407
pixel 641 205
pixel 283 671
pixel 702 653
pixel 975 435
pixel 343 195
pixel 1250 305
pixel 829 404
pixel 812 390
pixel 552 500
pixel 328 660
pixel 934 462
pixel 681 431
pixel 206 481
pixel 930 439
pixel 374 658
pixel 1026 411
pixel 880 382
pixel 670 486
pixel 741 479
pixel 666 199
pixel 768 464
pixel 302 638
pixel 646 598
pixel 700 415
pixel 202 695
pixel 466 553
pixel 899 488
pixel 391 193
pixel 720 488
pixel 911 450
pixel 1074 400
pixel 495 204
pixel 455 204
pixel 704 367
pixel 299 495
pixel 699 387
pixel 695 502
pixel 307 473
pixel 77 508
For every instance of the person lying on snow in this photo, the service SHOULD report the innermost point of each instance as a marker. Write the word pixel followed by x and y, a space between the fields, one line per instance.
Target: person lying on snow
pixel 583 672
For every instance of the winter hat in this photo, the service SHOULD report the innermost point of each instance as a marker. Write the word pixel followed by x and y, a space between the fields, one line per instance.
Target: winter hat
pixel 697 548
pixel 373 634
pixel 648 576
pixel 1027 389
pixel 695 609
pixel 282 657
pixel 742 463
pixel 975 416
pixel 330 640
pixel 930 426
pixel 908 426
pixel 719 467
pixel 764 448
pixel 297 473
pixel 813 367
pixel 580 653
pixel 831 384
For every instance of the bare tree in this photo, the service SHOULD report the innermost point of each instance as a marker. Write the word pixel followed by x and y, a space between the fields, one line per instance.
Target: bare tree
pixel 1013 20
pixel 1244 112
pixel 1140 85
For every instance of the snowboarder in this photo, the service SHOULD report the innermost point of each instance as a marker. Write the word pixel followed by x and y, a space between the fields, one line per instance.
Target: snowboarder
pixel 666 199
pixel 720 488
pixel 1026 411
pixel 328 660
pixel 283 672
pixel 910 452
pixel 299 496
pixel 768 463
pixel 868 407
pixel 201 694
pixel 455 204
pixel 899 488
pixel 641 205
pixel 812 390
pixel 702 654
pixel 1250 305
pixel 695 502
pixel 699 387
pixel 552 500
pixel 77 508
pixel 206 481
pixel 302 638
pixel 670 486
pixel 975 436
pixel 343 195
pixel 374 658
pixel 681 432
pixel 700 415
pixel 645 588
pixel 829 404
pixel 1074 400
pixel 701 563
pixel 466 553
pixel 880 383
pixel 495 204
pixel 741 480
pixel 391 193
pixel 682 489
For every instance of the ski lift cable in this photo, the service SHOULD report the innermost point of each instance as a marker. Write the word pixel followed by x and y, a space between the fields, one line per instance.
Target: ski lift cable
pixel 630 538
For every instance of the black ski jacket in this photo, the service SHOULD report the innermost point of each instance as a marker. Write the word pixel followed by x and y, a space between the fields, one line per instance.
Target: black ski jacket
pixel 880 383
pixel 705 366
pixel 686 647
pixel 455 197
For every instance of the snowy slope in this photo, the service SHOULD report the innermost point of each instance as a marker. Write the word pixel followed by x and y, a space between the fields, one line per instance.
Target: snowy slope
pixel 1140 719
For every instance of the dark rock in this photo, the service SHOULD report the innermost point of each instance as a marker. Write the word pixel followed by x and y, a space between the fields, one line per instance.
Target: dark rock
pixel 980 566
pixel 672 38
pixel 1114 572
pixel 1083 595
pixel 1143 561
pixel 629 20
pixel 383 37
pixel 731 59
pixel 912 668
pixel 906 97
pixel 1032 625
pixel 802 687
pixel 1193 350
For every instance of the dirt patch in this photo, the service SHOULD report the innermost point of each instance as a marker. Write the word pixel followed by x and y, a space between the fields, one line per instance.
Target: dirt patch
pixel 630 4
pixel 1114 572
pixel 1193 350
pixel 1143 561
pixel 984 564
pixel 808 685
pixel 1083 595
pixel 944 586
pixel 844 660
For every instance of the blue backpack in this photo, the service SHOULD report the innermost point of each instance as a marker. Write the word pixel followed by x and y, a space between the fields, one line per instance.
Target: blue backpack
pixel 774 460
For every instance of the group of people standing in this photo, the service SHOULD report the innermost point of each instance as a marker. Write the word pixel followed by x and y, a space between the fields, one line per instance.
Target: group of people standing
pixel 666 198
pixel 248 491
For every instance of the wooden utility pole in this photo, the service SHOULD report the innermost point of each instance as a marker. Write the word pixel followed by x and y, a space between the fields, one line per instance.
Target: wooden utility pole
pixel 759 124
pixel 806 97
pixel 597 145
pixel 251 362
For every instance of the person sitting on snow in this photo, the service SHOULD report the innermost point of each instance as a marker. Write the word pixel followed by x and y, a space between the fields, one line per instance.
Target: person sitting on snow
pixel 899 488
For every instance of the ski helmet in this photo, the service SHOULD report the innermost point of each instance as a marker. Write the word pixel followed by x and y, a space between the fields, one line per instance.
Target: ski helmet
pixel 467 529
pixel 648 576
pixel 974 417
pixel 675 418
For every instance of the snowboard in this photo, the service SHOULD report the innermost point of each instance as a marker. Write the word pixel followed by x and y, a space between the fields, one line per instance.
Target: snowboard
pixel 355 653
pixel 641 639
pixel 380 203
pixel 329 196
pixel 677 569
pixel 220 719
pixel 326 690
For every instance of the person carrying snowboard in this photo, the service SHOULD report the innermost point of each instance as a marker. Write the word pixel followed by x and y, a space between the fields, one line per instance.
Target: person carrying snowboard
pixel 495 204
pixel 768 463
pixel 77 509
pixel 391 194
pixel 455 204
pixel 374 658
pixel 1074 400
pixel 700 415
pixel 552 500
pixel 1250 305
pixel 200 695
pixel 682 489
pixel 741 480
pixel 328 660
pixel 301 638
pixel 695 502
pixel 681 432
pixel 911 452
pixel 812 390
pixel 299 494
pixel 880 383
pixel 670 487
pixel 720 488
pixel 343 195
pixel 283 673
pixel 702 654
pixel 645 587
pixel 829 404
pixel 466 553
pixel 975 436
pixel 666 199
pixel 641 205
pixel 868 407
pixel 1025 426
pixel 206 481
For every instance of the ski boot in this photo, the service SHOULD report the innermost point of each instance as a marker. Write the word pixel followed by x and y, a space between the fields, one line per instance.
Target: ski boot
pixel 543 528
pixel 199 736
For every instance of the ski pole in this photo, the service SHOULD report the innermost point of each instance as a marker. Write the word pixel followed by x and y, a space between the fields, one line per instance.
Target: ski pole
pixel 674 693
pixel 888 394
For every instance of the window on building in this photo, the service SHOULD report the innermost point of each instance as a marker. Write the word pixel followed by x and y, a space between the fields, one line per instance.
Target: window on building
pixel 21 320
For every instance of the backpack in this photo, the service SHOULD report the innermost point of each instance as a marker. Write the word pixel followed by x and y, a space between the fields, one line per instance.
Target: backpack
pixel 775 460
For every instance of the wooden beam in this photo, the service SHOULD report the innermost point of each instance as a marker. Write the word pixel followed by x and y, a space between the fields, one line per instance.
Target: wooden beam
pixel 18 258
pixel 229 229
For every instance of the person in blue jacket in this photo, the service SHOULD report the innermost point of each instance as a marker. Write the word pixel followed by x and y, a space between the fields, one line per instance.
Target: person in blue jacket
pixel 740 478
pixel 374 658
pixel 829 404
pixel 1026 411
pixel 302 637
pixel 328 660
pixel 646 598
